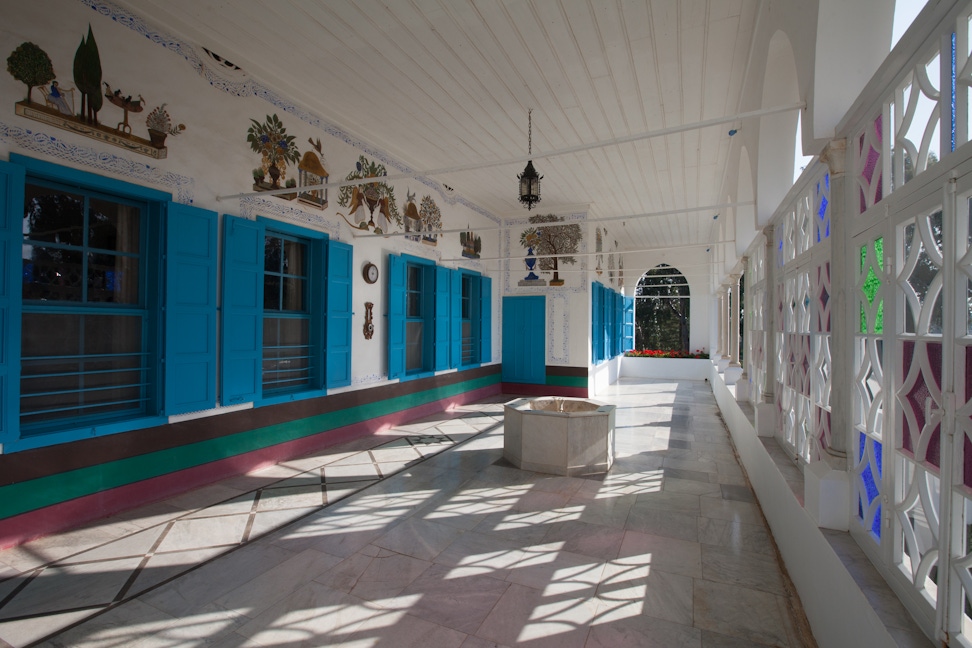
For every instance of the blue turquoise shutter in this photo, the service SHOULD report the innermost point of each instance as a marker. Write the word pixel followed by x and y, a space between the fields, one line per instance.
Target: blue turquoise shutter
pixel 605 323
pixel 443 317
pixel 455 325
pixel 396 316
pixel 339 260
pixel 596 337
pixel 190 309
pixel 11 228
pixel 242 331
pixel 628 324
pixel 616 319
pixel 485 319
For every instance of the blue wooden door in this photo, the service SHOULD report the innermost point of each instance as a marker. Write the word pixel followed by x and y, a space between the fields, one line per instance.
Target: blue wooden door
pixel 524 342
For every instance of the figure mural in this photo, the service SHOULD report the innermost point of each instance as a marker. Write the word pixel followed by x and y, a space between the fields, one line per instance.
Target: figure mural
pixel 32 66
pixel 598 247
pixel 376 194
pixel 554 243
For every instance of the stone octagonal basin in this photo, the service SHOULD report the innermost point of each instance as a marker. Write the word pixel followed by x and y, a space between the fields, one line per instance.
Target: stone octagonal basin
pixel 563 436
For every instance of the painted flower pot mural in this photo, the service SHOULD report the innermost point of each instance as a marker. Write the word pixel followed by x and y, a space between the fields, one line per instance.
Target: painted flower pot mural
pixel 375 194
pixel 160 125
pixel 270 139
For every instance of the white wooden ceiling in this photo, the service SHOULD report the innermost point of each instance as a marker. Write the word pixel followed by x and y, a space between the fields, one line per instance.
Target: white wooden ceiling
pixel 442 83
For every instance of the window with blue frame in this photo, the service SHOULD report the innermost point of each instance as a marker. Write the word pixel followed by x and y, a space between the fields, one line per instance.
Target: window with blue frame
pixel 286 311
pixel 418 319
pixel 85 352
pixel 107 305
pixel 612 329
pixel 438 318
pixel 290 361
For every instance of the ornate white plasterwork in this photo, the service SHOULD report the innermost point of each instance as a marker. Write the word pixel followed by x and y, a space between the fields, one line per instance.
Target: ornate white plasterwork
pixel 252 206
pixel 49 145
pixel 245 86
pixel 558 310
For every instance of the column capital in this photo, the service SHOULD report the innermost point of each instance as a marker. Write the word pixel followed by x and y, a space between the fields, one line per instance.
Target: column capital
pixel 833 155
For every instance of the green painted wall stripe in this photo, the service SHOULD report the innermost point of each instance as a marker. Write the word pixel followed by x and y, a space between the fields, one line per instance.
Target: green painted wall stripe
pixel 53 489
pixel 567 381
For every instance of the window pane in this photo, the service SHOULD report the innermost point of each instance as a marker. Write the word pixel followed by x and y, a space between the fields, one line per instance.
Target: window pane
pixel 271 292
pixel 113 279
pixel 414 305
pixel 413 345
pixel 295 258
pixel 53 216
pixel 52 274
pixel 271 254
pixel 293 294
pixel 414 278
pixel 286 353
pixel 113 226
pixel 76 365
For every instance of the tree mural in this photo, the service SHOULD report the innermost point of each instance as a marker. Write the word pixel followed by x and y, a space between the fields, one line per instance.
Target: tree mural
pixel 552 239
pixel 87 78
pixel 30 65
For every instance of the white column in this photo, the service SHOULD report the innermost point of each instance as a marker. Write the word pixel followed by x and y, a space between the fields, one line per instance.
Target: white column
pixel 766 411
pixel 744 390
pixel 733 370
pixel 724 327
pixel 717 353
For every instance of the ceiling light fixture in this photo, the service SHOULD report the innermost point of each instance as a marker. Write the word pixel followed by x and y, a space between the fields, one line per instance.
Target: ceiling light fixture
pixel 529 179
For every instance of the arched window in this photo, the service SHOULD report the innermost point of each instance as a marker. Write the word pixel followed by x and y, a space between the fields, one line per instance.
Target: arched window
pixel 662 310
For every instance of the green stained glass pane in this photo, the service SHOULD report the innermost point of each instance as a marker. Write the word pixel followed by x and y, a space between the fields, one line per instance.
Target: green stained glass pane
pixel 863 320
pixel 879 252
pixel 879 320
pixel 872 284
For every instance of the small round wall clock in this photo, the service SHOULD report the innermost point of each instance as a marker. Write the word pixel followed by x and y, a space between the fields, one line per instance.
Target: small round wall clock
pixel 370 272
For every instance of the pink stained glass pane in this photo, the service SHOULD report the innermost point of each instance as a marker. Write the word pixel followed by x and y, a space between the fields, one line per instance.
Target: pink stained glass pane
pixel 879 138
pixel 907 352
pixel 917 398
pixel 967 462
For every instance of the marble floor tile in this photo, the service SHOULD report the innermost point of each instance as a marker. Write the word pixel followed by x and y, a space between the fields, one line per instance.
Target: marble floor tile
pixel 657 594
pixel 740 612
pixel 737 536
pixel 204 532
pixel 594 540
pixel 667 554
pixel 672 524
pixel 348 473
pixel 528 617
pixel 418 538
pixel 557 572
pixel 734 511
pixel 642 631
pixel 386 576
pixel 457 602
pixel 405 631
pixel 753 570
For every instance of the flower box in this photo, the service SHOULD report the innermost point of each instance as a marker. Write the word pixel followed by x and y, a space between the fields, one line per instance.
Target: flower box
pixel 677 368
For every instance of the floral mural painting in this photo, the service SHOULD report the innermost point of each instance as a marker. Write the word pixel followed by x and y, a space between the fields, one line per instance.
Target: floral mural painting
pixel 270 139
pixel 312 172
pixel 76 109
pixel 549 238
pixel 159 125
pixel 373 195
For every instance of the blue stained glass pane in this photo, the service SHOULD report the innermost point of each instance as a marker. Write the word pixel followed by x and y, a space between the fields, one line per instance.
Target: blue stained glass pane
pixel 876 525
pixel 827 181
pixel 877 458
pixel 822 212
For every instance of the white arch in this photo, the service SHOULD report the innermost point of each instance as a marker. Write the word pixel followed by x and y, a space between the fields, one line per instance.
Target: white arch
pixel 776 132
pixel 845 60
pixel 745 214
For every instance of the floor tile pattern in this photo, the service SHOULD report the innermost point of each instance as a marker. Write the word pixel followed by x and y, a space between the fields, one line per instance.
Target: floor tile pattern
pixel 429 538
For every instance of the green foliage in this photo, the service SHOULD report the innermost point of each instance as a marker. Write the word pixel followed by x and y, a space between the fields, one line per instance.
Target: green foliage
pixel 30 65
pixel 662 310
pixel 271 140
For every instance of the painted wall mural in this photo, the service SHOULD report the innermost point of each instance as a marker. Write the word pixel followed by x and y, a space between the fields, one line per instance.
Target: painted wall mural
pixel 312 172
pixel 373 195
pixel 425 220
pixel 77 108
pixel 269 138
pixel 472 244
pixel 547 238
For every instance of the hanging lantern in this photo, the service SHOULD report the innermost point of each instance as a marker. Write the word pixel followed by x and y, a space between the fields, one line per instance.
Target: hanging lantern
pixel 529 179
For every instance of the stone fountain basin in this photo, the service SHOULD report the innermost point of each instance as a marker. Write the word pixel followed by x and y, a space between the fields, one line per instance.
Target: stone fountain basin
pixel 561 436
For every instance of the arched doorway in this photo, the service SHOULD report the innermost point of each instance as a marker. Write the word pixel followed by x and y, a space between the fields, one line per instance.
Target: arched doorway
pixel 662 307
